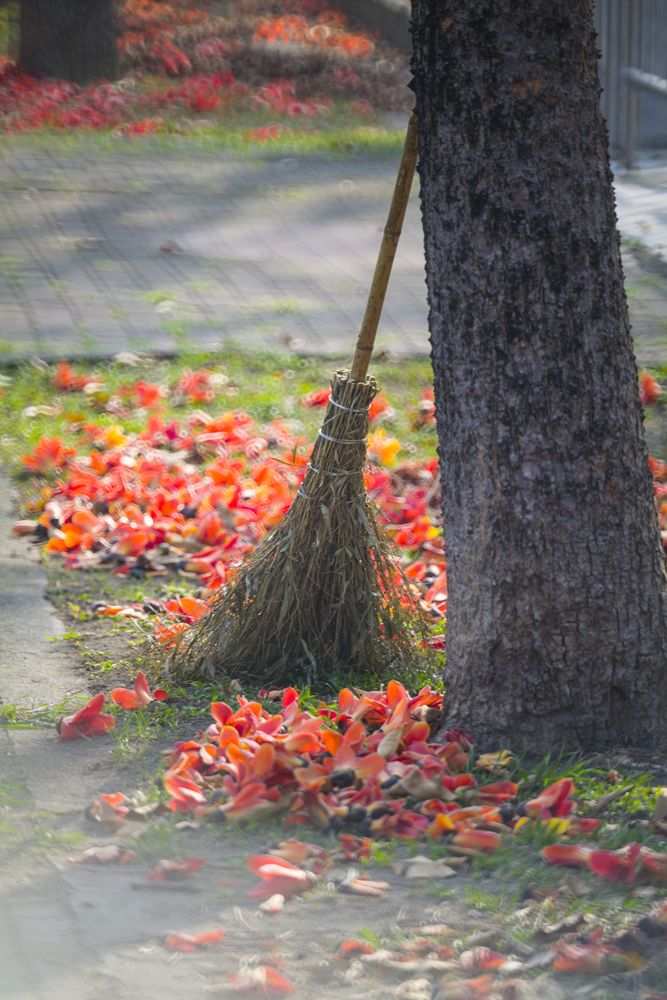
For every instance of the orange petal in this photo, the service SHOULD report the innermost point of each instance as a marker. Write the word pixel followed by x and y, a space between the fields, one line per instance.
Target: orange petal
pixel 395 694
pixel 124 698
pixel 261 981
pixel 332 741
pixel 568 855
pixel 370 766
pixel 355 734
pixel 264 760
pixel 551 797
pixel 481 840
pixel 257 861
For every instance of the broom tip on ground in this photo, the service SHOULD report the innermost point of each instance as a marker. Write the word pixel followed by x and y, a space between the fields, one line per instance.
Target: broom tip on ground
pixel 324 589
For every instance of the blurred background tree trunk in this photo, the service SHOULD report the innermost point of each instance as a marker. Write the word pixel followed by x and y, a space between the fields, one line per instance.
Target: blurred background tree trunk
pixel 69 39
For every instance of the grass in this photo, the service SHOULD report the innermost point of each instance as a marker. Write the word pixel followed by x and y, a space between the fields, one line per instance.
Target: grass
pixel 265 384
pixel 51 839
pixel 42 716
pixel 340 135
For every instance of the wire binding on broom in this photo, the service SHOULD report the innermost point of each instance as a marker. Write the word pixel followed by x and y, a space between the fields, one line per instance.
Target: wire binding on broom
pixel 324 588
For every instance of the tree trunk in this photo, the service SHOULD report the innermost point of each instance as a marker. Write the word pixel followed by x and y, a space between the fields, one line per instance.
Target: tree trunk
pixel 69 39
pixel 557 614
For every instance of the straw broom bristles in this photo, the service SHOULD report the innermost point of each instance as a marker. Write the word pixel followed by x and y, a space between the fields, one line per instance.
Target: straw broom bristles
pixel 321 590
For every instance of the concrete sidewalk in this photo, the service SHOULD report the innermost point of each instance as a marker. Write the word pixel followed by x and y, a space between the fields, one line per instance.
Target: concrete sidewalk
pixel 259 250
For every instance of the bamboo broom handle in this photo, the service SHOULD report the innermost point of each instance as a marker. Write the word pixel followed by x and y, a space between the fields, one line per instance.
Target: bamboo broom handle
pixel 392 231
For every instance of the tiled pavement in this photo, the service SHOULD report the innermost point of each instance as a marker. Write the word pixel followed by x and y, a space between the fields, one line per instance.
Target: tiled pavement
pixel 269 251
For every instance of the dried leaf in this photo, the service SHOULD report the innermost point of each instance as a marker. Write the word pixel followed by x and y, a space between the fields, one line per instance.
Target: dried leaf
pixel 600 804
pixel 423 867
pixel 174 869
pixel 274 904
pixel 389 743
pixel 109 854
pixel 551 932
pixel 414 989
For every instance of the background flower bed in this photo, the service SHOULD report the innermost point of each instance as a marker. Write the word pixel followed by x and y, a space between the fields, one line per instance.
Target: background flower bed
pixel 263 66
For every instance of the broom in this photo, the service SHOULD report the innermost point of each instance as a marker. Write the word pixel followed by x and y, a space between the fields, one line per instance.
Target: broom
pixel 323 588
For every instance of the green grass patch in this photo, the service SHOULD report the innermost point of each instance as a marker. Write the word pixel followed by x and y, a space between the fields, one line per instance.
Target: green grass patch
pixel 266 385
pixel 340 135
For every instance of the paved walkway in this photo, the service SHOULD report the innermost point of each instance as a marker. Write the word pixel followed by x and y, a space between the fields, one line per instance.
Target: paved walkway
pixel 268 251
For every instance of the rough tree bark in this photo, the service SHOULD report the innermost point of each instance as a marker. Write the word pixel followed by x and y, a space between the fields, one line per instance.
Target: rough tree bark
pixel 69 39
pixel 557 614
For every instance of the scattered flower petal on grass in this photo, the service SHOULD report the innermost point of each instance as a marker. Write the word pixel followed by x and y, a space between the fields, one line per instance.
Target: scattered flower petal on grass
pixel 649 388
pixel 140 697
pixel 48 455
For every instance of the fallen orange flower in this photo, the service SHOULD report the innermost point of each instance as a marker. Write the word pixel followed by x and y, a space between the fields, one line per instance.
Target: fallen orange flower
pixel 278 876
pixel 185 794
pixel 629 863
pixel 319 397
pixel 479 840
pixel 593 958
pixel 140 697
pixel 382 448
pixel 48 455
pixel 65 379
pixel 352 948
pixel 425 409
pixel 295 851
pixel 568 855
pixel 497 793
pixel 649 388
pixel 553 801
pixel 144 394
pixel 174 869
pixel 86 722
pixel 440 826
pixel 480 959
pixel 179 941
pixel 380 408
pixel 261 981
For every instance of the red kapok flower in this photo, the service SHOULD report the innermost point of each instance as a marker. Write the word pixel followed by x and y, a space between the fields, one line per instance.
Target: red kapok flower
pixel 649 389
pixel 86 722
pixel 140 697
pixel 48 455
